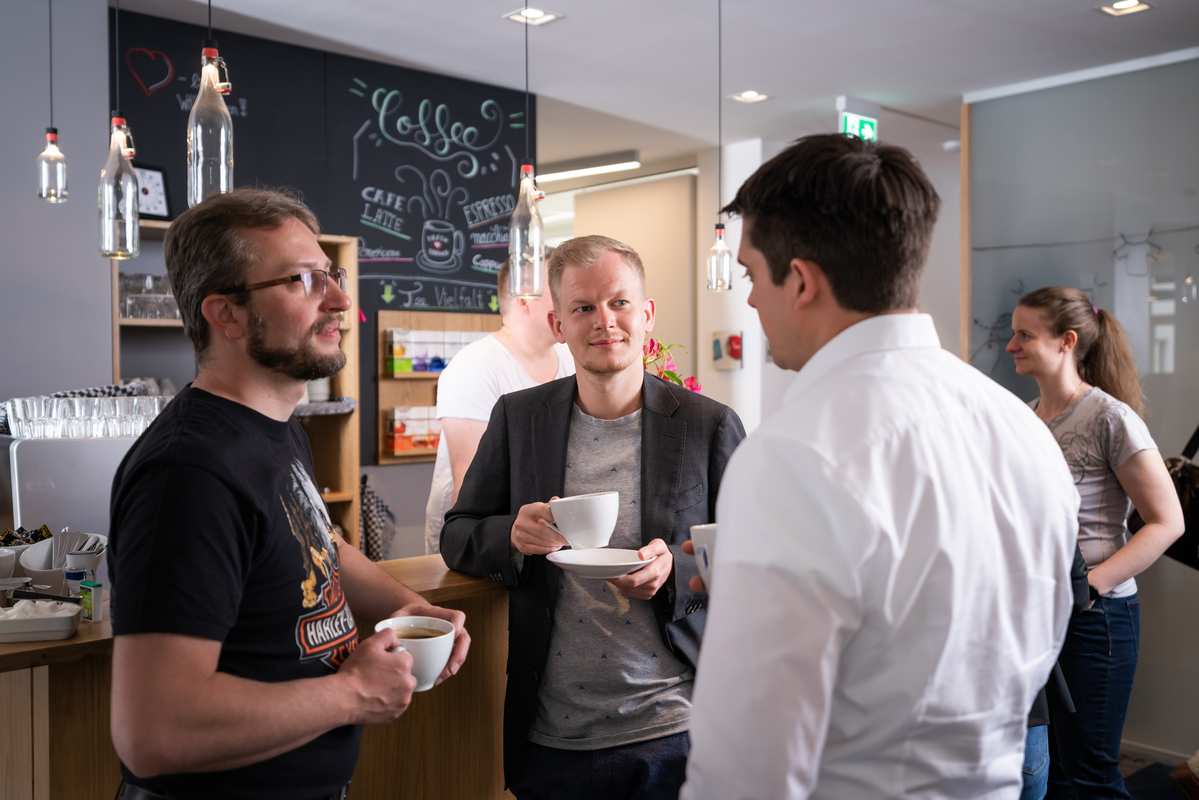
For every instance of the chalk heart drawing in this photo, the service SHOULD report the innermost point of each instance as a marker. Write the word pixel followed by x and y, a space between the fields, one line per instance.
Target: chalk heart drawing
pixel 145 65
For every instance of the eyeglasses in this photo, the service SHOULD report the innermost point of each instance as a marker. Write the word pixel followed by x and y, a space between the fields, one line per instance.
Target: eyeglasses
pixel 314 281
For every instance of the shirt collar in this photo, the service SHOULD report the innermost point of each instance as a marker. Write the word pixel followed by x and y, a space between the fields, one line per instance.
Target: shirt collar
pixel 872 335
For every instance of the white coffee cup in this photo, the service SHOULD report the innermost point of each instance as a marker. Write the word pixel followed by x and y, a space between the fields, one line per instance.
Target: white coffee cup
pixel 586 520
pixel 429 655
pixel 703 539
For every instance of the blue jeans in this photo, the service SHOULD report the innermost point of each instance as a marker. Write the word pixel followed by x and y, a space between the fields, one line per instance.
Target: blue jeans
pixel 652 770
pixel 1036 763
pixel 1099 660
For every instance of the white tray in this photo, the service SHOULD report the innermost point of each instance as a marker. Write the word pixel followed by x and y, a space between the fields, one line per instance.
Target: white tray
pixel 41 629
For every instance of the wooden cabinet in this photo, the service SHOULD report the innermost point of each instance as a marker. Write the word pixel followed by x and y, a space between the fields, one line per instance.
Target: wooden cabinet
pixel 335 442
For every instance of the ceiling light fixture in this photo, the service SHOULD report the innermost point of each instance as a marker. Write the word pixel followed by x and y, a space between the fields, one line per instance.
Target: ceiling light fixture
pixel 749 96
pixel 718 268
pixel 120 236
pixel 1121 8
pixel 532 16
pixel 51 163
pixel 526 249
pixel 593 165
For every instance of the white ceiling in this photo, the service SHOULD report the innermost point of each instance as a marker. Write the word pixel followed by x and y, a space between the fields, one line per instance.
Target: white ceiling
pixel 644 71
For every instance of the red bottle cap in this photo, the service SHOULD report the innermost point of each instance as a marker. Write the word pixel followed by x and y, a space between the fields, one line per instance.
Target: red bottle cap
pixel 209 52
pixel 52 135
pixel 526 169
pixel 118 121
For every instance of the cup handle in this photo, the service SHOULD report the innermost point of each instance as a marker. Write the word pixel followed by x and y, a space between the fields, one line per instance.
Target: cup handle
pixel 459 243
pixel 556 530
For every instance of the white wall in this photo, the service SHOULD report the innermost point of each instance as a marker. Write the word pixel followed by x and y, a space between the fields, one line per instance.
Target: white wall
pixel 655 219
pixel 55 299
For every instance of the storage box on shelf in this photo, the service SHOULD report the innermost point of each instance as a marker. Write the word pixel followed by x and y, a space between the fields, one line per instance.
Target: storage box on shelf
pixel 420 339
pixel 334 436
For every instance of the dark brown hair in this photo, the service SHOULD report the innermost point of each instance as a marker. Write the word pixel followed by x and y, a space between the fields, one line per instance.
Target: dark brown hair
pixel 1103 356
pixel 861 210
pixel 205 251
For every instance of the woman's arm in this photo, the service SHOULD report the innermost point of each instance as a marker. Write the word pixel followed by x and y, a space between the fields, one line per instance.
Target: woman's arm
pixel 1147 483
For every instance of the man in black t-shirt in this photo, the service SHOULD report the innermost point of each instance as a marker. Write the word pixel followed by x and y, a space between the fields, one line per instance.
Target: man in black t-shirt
pixel 237 666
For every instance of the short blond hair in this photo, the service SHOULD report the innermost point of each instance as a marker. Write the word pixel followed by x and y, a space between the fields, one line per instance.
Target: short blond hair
pixel 585 251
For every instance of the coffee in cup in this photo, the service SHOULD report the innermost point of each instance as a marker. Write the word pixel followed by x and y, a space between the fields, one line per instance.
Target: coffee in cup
pixel 428 639
pixel 586 520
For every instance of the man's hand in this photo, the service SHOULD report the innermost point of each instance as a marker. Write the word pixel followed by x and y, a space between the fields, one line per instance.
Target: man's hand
pixel 380 678
pixel 452 616
pixel 531 532
pixel 645 582
pixel 696 584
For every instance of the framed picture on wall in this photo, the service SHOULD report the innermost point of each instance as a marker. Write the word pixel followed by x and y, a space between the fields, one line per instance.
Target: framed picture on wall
pixel 152 200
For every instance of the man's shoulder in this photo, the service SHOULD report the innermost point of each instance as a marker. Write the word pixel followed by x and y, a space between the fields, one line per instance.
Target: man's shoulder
pixel 560 390
pixel 661 395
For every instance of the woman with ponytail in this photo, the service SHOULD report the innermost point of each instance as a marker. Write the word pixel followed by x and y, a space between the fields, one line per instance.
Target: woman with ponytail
pixel 1090 397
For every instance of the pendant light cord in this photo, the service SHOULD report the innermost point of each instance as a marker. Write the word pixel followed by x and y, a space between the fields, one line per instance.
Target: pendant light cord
pixel 116 53
pixel 210 20
pixel 719 109
pixel 51 26
pixel 527 120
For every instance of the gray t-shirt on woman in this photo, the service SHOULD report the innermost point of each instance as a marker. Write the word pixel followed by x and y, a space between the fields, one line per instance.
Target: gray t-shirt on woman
pixel 1097 434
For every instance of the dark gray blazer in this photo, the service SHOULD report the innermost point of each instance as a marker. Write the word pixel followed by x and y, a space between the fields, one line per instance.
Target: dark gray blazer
pixel 686 441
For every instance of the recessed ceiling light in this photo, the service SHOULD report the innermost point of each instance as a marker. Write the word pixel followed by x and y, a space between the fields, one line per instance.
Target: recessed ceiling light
pixel 532 16
pixel 1122 7
pixel 749 96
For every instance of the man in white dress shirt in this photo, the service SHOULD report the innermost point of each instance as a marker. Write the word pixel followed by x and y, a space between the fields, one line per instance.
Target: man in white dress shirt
pixel 891 583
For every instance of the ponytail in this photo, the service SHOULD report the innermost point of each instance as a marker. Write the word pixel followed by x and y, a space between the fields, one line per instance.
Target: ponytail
pixel 1103 356
pixel 1109 363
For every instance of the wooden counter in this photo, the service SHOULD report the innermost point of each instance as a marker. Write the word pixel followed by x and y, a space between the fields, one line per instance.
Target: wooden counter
pixel 448 745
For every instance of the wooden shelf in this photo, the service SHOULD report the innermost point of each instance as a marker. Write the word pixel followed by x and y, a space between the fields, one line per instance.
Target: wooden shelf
pixel 337 497
pixel 412 376
pixel 409 456
pixel 131 322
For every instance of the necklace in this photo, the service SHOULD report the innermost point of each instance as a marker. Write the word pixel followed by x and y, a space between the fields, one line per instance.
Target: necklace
pixel 1071 400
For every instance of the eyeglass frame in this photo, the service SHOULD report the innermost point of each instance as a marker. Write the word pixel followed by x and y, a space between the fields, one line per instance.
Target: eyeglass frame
pixel 341 273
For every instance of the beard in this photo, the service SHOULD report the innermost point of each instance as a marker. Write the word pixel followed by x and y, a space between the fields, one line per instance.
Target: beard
pixel 302 362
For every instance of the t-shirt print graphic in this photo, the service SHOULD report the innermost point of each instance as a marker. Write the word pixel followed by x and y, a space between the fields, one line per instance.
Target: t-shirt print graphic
pixel 327 632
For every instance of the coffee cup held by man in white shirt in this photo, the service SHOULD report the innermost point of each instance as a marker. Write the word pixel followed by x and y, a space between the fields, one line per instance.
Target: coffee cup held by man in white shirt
pixel 521 354
pixel 892 583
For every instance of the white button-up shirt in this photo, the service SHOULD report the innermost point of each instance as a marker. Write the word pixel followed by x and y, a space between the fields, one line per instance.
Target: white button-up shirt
pixel 890 585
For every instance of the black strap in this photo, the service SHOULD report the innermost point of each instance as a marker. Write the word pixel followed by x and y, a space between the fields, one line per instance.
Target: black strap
pixel 1192 447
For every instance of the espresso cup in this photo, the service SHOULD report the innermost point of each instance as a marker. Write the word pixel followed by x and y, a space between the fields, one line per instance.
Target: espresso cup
pixel 430 641
pixel 586 520
pixel 703 539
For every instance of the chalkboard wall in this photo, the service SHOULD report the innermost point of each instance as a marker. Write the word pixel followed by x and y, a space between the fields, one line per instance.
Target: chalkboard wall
pixel 422 168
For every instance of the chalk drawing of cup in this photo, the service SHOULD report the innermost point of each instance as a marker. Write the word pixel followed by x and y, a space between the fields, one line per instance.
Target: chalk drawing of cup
pixel 441 246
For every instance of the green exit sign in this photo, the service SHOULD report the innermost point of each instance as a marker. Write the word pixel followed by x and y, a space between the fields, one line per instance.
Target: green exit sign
pixel 859 125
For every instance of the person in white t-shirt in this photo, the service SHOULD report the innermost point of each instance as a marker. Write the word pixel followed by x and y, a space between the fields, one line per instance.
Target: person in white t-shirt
pixel 520 355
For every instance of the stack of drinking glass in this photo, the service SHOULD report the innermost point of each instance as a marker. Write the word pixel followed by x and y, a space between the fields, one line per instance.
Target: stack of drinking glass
pixel 81 417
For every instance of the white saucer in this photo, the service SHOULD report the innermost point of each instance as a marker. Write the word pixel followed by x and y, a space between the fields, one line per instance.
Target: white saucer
pixel 600 563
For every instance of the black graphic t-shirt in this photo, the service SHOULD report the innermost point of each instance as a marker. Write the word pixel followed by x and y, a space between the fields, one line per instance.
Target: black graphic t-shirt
pixel 218 531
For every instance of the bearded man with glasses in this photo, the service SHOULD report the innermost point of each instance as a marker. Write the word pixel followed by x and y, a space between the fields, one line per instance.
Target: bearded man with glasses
pixel 237 670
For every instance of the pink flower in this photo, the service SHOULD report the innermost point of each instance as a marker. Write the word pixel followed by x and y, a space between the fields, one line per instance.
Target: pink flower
pixel 651 348
pixel 670 365
pixel 692 384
